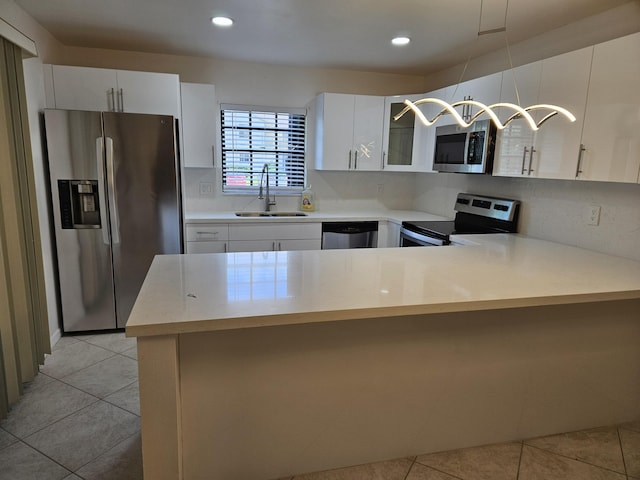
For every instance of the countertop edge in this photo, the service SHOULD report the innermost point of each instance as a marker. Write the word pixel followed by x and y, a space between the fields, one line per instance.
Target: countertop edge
pixel 205 325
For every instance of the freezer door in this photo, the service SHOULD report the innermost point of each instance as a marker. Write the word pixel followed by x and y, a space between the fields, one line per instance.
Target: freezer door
pixel 144 200
pixel 76 169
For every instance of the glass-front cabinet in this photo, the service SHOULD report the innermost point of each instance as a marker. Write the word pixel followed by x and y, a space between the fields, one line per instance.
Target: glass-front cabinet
pixel 402 150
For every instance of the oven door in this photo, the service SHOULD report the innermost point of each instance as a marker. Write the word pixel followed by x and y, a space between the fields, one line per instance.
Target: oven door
pixel 413 239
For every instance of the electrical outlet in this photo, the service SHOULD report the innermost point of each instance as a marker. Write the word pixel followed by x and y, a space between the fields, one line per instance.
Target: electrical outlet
pixel 593 215
pixel 206 188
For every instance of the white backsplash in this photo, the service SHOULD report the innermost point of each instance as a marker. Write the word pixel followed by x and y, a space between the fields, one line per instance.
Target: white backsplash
pixel 335 191
pixel 551 209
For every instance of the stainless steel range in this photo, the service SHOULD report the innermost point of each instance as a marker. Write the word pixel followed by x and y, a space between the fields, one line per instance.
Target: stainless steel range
pixel 474 214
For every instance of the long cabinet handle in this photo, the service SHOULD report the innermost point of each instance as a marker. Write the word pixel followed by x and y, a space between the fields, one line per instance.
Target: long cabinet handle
pixel 111 100
pixel 355 162
pixel 350 154
pixel 531 152
pixel 226 249
pixel 384 156
pixel 580 157
pixel 524 159
pixel 121 100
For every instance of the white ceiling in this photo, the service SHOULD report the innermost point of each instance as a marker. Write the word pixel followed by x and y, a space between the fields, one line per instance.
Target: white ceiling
pixel 351 34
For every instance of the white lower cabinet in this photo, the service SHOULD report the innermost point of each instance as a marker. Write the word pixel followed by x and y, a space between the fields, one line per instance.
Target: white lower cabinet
pixel 388 234
pixel 207 238
pixel 253 237
pixel 274 236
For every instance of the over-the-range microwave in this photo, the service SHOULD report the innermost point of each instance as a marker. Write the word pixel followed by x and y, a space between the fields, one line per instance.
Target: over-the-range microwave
pixel 465 150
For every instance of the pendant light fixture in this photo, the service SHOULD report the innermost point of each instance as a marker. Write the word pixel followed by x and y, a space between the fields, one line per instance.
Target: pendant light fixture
pixel 466 119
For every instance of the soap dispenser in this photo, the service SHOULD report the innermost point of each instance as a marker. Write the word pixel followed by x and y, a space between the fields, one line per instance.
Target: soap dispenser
pixel 306 200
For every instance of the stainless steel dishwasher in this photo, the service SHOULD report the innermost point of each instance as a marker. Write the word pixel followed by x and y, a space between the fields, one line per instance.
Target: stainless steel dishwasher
pixel 349 235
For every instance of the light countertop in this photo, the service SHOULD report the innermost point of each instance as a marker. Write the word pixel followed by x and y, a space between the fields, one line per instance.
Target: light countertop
pixel 207 292
pixel 395 216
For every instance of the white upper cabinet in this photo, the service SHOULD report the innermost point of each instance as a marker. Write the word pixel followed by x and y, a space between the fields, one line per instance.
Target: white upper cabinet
pixel 513 144
pixel 424 138
pixel 398 141
pixel 611 133
pixel 550 152
pixel 199 111
pixel 146 92
pixel 101 89
pixel 83 88
pixel 346 132
pixel 484 90
pixel 564 82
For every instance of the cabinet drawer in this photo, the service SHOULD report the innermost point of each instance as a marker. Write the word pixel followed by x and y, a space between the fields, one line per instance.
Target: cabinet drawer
pixel 207 247
pixel 207 232
pixel 282 231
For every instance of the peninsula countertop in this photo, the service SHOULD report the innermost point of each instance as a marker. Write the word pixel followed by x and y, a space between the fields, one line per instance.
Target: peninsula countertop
pixel 208 292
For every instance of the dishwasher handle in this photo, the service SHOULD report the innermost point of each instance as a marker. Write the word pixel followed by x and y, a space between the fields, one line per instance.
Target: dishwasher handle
pixel 349 227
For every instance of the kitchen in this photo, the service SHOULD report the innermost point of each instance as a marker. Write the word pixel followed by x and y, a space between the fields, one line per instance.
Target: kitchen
pixel 552 209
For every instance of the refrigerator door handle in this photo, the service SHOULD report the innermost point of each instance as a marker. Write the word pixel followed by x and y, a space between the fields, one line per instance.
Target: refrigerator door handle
pixel 111 192
pixel 104 224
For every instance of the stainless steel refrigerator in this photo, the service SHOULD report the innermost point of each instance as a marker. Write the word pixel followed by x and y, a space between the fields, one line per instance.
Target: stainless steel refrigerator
pixel 115 196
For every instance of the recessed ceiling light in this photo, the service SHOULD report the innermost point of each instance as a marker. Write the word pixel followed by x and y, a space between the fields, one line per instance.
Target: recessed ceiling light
pixel 222 21
pixel 401 41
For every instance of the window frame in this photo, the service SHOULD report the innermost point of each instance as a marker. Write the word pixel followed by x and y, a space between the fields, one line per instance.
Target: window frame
pixel 254 189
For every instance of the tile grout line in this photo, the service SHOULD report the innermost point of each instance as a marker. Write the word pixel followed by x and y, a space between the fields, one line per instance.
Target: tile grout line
pixel 413 462
pixel 577 460
pixel 624 462
pixel 75 472
pixel 437 469
pixel 520 459
pixel 46 456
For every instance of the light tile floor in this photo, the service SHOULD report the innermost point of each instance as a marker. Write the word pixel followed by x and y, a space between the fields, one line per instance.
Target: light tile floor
pixel 80 419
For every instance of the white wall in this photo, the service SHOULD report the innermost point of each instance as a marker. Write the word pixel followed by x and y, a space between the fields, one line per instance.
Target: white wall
pixel 551 209
pixel 34 87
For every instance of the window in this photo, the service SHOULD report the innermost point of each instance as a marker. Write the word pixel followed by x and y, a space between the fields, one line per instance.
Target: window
pixel 253 137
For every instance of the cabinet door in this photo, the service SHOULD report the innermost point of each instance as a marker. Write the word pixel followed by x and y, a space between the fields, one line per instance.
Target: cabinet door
pixel 564 82
pixel 199 111
pixel 261 245
pixel 424 137
pixel 611 133
pixel 334 131
pixel 514 142
pixel 398 146
pixel 368 118
pixel 298 244
pixel 82 88
pixel 484 90
pixel 146 92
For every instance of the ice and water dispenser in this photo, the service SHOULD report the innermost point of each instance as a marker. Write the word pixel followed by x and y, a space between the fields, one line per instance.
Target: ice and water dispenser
pixel 79 203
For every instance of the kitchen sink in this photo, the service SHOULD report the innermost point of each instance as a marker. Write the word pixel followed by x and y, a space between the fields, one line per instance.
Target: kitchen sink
pixel 270 214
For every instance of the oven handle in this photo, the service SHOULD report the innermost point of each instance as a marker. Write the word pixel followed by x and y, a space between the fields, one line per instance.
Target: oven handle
pixel 419 238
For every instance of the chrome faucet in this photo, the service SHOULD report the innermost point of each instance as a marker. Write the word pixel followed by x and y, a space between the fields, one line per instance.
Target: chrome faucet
pixel 267 203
